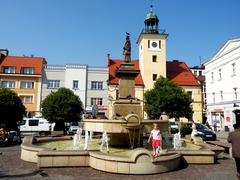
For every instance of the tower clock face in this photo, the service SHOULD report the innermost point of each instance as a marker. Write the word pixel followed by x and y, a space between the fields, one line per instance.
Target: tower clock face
pixel 154 44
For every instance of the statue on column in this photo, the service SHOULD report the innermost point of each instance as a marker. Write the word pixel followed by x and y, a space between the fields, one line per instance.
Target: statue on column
pixel 127 49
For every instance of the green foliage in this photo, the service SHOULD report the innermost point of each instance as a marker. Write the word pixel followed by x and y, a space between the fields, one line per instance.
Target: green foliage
pixel 62 106
pixel 168 97
pixel 11 109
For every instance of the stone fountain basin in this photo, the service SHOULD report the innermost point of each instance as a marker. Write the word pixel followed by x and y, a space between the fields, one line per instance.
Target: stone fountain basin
pixel 137 161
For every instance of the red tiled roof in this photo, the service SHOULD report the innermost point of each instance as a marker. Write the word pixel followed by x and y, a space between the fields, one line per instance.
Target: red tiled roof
pixel 177 71
pixel 181 74
pixel 113 64
pixel 22 61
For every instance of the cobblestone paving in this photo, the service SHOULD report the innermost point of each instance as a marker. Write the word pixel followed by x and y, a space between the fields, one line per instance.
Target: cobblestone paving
pixel 12 167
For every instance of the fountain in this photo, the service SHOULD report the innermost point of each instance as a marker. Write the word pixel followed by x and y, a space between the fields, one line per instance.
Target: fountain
pixel 104 141
pixel 125 152
pixel 177 144
pixel 75 139
pixel 86 140
pixel 79 133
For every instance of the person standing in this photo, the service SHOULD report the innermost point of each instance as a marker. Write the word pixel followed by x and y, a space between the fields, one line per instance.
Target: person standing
pixel 156 137
pixel 234 139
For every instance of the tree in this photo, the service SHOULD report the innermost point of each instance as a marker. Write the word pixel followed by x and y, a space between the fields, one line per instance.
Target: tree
pixel 11 109
pixel 166 96
pixel 62 106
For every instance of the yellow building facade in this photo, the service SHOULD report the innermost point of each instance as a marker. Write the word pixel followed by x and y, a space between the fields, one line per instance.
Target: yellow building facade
pixel 197 107
pixel 24 76
pixel 152 57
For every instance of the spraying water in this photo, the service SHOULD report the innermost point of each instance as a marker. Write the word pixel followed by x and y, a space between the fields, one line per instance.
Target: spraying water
pixel 177 141
pixel 86 140
pixel 104 141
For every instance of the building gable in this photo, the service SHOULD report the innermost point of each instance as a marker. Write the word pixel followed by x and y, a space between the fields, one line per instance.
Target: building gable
pixel 229 46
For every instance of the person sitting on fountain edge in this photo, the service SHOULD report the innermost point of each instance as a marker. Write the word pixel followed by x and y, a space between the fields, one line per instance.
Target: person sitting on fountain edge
pixel 156 140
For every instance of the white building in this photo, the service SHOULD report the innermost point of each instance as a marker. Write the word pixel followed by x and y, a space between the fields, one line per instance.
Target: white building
pixel 89 83
pixel 97 89
pixel 222 74
pixel 71 76
pixel 76 80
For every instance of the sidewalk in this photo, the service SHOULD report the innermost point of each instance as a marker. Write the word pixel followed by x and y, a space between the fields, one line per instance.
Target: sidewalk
pixel 222 136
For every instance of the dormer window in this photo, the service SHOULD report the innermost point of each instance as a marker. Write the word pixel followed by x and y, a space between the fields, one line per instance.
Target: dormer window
pixel 27 70
pixel 9 70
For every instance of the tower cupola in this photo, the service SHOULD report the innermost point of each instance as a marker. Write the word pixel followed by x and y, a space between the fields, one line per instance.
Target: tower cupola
pixel 151 23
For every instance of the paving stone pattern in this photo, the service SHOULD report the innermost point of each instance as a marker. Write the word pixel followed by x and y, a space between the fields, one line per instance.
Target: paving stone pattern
pixel 12 167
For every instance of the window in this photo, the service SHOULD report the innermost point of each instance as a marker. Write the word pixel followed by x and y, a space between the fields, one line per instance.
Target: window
pixel 96 101
pixel 27 70
pixel 159 44
pixel 53 84
pixel 154 77
pixel 9 70
pixel 96 85
pixel 212 77
pixel 220 74
pixel 154 58
pixel 190 94
pixel 221 95
pixel 8 84
pixel 26 99
pixel 200 73
pixel 33 122
pixel 195 72
pixel 233 69
pixel 117 93
pixel 26 85
pixel 235 93
pixel 75 84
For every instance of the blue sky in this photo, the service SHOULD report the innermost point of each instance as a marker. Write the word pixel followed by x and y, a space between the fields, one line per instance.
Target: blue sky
pixel 84 31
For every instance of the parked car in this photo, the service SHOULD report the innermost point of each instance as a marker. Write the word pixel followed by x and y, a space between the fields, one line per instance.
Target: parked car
pixel 72 128
pixel 174 127
pixel 202 131
pixel 205 133
pixel 186 129
pixel 35 125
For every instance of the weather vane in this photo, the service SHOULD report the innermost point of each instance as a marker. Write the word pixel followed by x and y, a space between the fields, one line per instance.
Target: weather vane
pixel 151 6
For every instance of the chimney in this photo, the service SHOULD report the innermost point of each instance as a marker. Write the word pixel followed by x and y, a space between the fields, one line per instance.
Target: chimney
pixel 4 52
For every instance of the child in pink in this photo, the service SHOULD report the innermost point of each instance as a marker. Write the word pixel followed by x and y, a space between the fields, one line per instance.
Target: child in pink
pixel 156 140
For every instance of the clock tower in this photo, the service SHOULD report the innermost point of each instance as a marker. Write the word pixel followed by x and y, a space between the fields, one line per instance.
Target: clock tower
pixel 152 51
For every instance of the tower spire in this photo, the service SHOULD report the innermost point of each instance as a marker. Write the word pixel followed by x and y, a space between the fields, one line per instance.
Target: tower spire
pixel 151 22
